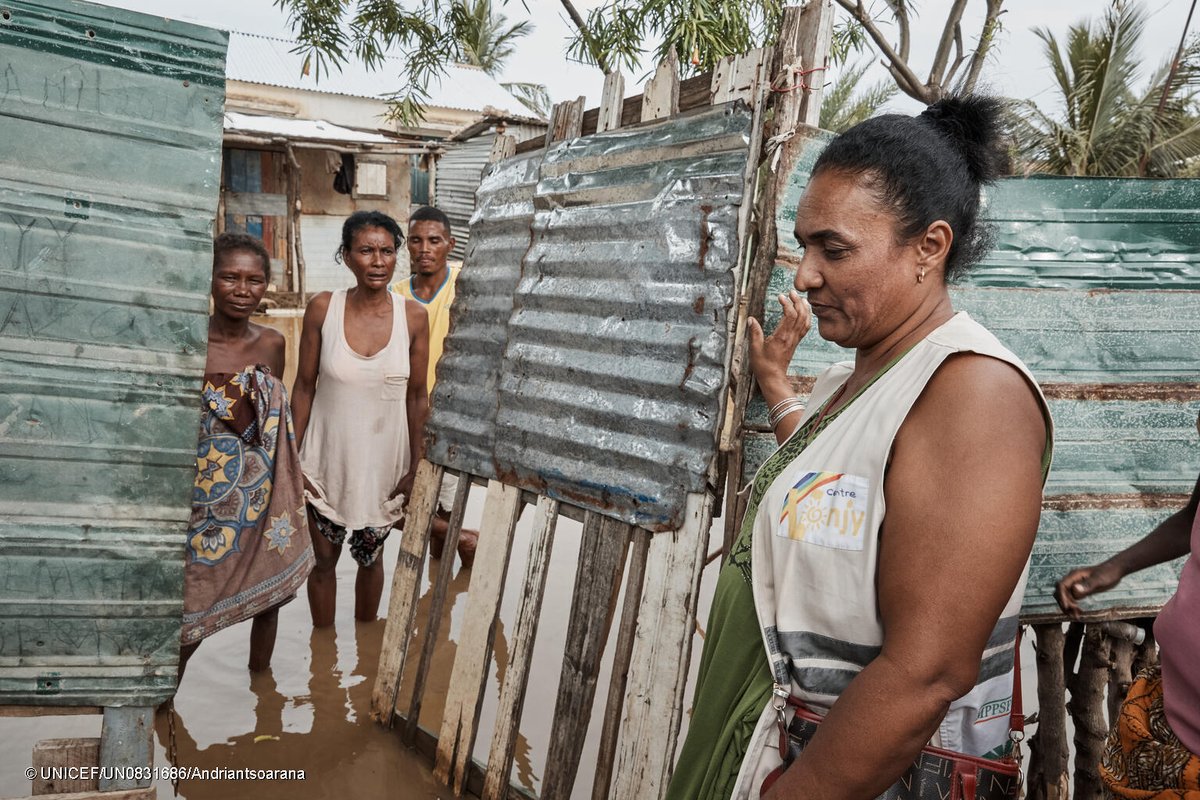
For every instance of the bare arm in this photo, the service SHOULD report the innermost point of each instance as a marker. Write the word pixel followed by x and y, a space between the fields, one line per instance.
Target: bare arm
pixel 417 398
pixel 310 364
pixel 1170 540
pixel 771 355
pixel 963 501
pixel 275 351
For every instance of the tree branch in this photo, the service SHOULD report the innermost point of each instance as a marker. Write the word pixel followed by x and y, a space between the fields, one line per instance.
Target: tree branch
pixel 905 78
pixel 937 75
pixel 601 61
pixel 986 37
pixel 959 55
pixel 900 12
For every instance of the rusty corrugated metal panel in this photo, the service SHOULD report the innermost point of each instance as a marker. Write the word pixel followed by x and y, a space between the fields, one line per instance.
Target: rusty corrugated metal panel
pixel 111 122
pixel 609 389
pixel 1093 283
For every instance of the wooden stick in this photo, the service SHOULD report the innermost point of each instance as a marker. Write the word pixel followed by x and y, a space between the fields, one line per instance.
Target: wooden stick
pixel 614 706
pixel 1120 675
pixel 661 654
pixel 1049 778
pixel 436 604
pixel 406 589
pixel 460 721
pixel 597 583
pixel 512 693
pixel 1087 711
pixel 610 103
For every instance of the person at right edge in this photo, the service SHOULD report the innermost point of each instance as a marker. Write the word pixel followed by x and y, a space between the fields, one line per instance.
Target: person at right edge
pixel 1153 748
pixel 879 569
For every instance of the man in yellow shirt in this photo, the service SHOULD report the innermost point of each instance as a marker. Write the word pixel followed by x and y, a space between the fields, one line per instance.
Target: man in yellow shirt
pixel 432 285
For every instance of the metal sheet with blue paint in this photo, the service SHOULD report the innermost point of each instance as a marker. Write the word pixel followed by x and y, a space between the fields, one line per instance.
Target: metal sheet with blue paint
pixel 608 392
pixel 111 122
pixel 1094 284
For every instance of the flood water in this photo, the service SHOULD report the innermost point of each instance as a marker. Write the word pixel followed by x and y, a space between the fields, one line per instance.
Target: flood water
pixel 311 711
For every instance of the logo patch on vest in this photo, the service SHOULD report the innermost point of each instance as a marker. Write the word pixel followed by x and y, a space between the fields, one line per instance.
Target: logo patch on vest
pixel 827 509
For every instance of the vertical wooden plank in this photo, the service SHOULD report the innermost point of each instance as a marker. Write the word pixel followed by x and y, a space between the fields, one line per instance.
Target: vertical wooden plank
pixel 126 740
pixel 736 77
pixel 816 41
pixel 611 99
pixel 614 706
pixel 406 589
pixel 503 147
pixel 437 603
pixel 512 692
pixel 50 754
pixel 1087 711
pixel 597 584
pixel 463 698
pixel 661 653
pixel 660 97
pixel 566 120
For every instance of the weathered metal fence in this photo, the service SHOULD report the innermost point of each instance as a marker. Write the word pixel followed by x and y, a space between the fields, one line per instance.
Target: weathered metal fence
pixel 588 372
pixel 111 124
pixel 1094 284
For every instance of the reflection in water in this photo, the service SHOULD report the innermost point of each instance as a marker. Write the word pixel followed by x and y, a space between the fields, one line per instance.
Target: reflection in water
pixel 342 754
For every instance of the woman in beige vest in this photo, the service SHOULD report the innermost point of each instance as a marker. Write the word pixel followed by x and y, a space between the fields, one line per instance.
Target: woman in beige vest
pixel 359 404
pixel 880 566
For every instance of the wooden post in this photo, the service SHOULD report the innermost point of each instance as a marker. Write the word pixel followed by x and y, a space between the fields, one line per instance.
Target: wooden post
pixel 461 719
pixel 436 604
pixel 597 583
pixel 512 693
pixel 406 589
pixel 816 41
pixel 1087 711
pixel 789 108
pixel 1120 675
pixel 299 277
pixel 614 706
pixel 126 740
pixel 654 696
pixel 566 120
pixel 1049 778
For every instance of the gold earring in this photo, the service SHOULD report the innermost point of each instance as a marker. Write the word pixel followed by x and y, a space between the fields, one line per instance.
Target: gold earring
pixel 921 276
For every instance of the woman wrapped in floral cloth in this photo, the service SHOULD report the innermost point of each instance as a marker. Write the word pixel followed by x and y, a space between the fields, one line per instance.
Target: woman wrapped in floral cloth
pixel 1153 749
pixel 248 547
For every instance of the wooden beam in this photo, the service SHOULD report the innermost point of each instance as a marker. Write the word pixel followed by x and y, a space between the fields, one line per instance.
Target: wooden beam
pixel 465 694
pixel 436 604
pixel 614 705
pixel 126 740
pixel 406 589
pixel 256 204
pixel 50 755
pixel 597 583
pixel 48 711
pixel 661 654
pixel 816 42
pixel 512 693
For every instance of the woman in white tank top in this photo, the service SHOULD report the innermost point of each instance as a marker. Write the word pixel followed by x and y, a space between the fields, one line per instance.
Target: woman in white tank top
pixel 359 405
pixel 878 574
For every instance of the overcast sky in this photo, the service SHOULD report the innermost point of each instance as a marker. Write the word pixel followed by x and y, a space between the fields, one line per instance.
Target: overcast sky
pixel 1016 68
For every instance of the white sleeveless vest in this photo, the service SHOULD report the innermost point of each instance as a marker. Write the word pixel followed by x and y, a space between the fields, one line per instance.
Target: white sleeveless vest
pixel 818 526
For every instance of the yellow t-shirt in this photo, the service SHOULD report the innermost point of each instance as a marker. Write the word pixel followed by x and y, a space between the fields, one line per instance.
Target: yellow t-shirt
pixel 438 309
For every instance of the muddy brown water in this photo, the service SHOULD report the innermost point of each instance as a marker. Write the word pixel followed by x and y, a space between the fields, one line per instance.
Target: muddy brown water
pixel 311 710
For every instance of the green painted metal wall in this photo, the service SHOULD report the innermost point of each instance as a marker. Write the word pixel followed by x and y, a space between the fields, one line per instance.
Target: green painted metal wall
pixel 1095 284
pixel 110 124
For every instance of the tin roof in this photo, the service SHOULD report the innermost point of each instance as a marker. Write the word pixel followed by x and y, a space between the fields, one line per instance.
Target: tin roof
pixel 303 130
pixel 270 61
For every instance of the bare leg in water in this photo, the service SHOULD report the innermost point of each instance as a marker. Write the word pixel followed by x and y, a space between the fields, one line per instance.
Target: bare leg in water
pixel 322 581
pixel 368 589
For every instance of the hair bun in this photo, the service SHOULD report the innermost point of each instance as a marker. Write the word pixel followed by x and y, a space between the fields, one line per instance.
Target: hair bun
pixel 974 124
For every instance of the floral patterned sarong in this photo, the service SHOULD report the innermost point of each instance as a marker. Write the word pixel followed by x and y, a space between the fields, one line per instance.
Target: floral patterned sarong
pixel 248 548
pixel 1142 756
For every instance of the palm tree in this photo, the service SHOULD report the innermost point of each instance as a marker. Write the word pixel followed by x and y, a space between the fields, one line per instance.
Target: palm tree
pixel 1107 126
pixel 487 41
pixel 843 106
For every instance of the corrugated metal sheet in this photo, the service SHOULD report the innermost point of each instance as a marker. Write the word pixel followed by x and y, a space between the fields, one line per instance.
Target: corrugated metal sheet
pixel 111 123
pixel 611 311
pixel 459 173
pixel 1092 282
